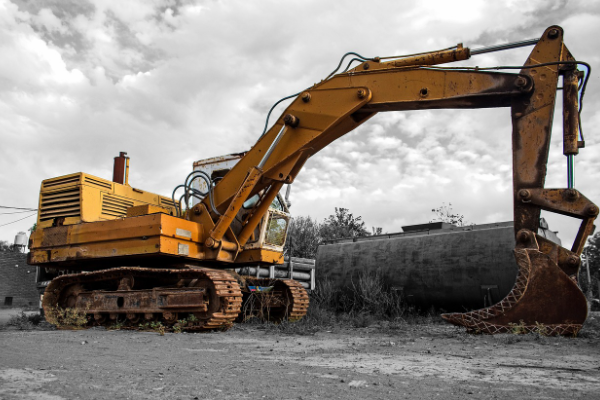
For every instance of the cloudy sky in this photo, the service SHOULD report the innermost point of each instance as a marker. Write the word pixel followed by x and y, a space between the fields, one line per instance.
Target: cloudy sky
pixel 171 82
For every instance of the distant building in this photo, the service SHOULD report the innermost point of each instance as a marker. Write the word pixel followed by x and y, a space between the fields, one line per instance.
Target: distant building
pixel 17 281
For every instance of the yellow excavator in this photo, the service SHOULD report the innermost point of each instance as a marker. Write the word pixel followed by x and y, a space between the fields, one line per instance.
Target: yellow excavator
pixel 123 254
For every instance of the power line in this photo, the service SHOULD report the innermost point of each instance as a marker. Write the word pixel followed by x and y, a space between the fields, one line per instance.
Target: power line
pixel 20 208
pixel 17 212
pixel 19 219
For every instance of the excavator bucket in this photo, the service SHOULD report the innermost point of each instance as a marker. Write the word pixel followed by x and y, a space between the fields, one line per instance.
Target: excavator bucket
pixel 544 299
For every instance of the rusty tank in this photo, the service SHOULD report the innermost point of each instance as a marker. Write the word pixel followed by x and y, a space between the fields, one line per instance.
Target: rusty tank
pixel 431 265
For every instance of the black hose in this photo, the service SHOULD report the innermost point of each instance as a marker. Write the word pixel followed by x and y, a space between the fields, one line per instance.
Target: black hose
pixel 350 63
pixel 189 191
pixel 351 53
pixel 271 110
pixel 360 58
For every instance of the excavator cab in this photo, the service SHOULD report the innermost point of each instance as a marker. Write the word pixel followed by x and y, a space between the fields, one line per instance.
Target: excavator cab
pixel 271 231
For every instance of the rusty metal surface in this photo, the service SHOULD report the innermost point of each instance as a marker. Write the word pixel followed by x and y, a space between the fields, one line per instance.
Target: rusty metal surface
pixel 545 297
pixel 130 295
pixel 213 297
pixel 439 57
pixel 287 300
pixel 570 112
pixel 121 169
pixel 544 300
pixel 532 125
pixel 566 260
pixel 146 301
pixel 425 89
pixel 569 202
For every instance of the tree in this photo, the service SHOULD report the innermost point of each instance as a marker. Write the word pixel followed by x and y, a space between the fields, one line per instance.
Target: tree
pixel 303 238
pixel 5 246
pixel 305 234
pixel 591 255
pixel 343 224
pixel 446 214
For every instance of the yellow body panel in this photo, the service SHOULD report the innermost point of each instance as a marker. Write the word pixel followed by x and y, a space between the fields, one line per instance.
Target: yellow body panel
pixel 83 217
pixel 158 234
pixel 146 209
pixel 261 255
pixel 80 197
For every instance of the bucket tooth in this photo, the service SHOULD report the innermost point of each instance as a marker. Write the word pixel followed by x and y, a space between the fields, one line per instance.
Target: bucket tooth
pixel 544 299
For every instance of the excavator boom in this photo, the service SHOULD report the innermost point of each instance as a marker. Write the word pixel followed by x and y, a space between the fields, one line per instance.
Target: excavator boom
pixel 333 107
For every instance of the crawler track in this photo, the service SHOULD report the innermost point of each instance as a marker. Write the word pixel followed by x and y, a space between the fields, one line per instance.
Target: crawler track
pixel 299 300
pixel 287 301
pixel 205 299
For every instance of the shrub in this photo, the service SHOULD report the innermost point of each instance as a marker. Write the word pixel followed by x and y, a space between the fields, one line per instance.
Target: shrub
pixel 24 322
pixel 67 318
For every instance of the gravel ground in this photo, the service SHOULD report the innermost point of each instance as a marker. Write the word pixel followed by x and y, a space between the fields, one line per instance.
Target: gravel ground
pixel 401 361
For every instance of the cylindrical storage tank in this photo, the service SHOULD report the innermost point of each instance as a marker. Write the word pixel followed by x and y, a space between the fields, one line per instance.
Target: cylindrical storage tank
pixel 21 239
pixel 452 269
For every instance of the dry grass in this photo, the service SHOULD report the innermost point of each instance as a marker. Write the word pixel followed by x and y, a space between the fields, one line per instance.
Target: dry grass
pixel 67 318
pixel 366 302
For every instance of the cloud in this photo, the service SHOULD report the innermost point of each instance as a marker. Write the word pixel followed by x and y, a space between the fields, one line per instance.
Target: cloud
pixel 171 82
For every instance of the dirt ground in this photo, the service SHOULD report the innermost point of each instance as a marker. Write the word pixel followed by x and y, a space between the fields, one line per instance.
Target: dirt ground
pixel 402 361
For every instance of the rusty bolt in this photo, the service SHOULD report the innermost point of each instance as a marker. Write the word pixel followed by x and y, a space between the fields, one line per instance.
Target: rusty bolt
pixel 197 210
pixel 211 243
pixel 523 236
pixel 306 97
pixel 366 66
pixel 571 194
pixel 521 82
pixel 592 210
pixel 291 120
pixel 573 260
pixel 362 93
pixel 553 34
pixel 524 194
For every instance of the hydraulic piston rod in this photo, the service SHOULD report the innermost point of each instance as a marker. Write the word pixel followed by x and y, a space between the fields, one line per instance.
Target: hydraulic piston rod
pixel 507 46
